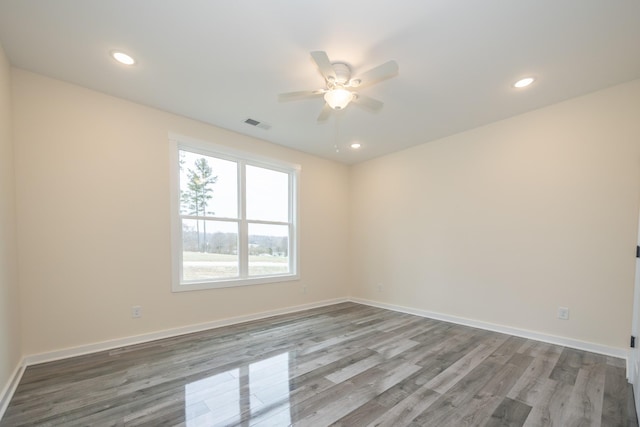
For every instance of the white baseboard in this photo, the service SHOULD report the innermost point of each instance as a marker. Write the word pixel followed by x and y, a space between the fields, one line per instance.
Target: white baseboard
pixel 621 353
pixel 10 388
pixel 138 339
pixel 168 333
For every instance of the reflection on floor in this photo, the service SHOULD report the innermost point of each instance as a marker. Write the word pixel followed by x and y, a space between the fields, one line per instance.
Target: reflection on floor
pixel 346 364
pixel 258 389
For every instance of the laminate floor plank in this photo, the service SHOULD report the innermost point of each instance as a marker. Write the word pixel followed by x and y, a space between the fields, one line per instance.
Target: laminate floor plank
pixel 614 411
pixel 356 392
pixel 485 402
pixel 585 404
pixel 630 414
pixel 446 410
pixel 530 384
pixel 550 404
pixel 569 363
pixel 345 364
pixel 450 377
pixel 510 413
pixel 408 409
pixel 508 350
pixel 391 397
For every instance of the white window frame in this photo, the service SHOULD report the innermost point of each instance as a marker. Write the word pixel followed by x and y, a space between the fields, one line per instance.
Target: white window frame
pixel 178 142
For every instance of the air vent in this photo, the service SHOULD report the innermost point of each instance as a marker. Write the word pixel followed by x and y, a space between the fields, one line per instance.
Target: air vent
pixel 258 124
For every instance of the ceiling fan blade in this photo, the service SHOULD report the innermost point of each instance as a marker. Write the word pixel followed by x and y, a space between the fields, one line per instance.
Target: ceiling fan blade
pixel 303 94
pixel 325 113
pixel 324 65
pixel 374 75
pixel 367 102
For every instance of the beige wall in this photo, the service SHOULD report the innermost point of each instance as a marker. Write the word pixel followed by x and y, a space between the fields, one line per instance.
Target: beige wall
pixel 507 222
pixel 500 224
pixel 93 220
pixel 9 297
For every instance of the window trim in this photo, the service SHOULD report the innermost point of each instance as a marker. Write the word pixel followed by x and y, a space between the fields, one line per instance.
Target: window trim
pixel 176 142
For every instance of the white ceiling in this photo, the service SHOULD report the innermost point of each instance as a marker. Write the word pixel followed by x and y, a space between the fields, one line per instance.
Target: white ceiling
pixel 224 61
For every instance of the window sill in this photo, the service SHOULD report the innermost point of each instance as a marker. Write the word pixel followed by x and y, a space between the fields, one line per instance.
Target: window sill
pixel 198 286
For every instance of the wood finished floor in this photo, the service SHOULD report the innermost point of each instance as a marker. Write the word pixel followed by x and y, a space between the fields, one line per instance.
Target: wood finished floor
pixel 344 365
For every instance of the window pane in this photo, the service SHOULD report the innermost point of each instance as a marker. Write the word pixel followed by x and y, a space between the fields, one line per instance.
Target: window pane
pixel 268 249
pixel 267 194
pixel 209 250
pixel 208 186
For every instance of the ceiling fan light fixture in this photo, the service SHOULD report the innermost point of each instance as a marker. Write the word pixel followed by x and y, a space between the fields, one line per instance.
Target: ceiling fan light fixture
pixel 338 98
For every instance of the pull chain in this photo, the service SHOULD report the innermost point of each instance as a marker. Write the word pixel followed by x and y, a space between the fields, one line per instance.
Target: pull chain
pixel 337 131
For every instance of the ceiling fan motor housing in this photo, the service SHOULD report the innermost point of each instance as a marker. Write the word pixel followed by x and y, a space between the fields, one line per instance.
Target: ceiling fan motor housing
pixel 343 73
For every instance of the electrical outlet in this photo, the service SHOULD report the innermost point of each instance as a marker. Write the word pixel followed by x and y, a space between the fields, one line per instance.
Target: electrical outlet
pixel 304 289
pixel 379 287
pixel 136 312
pixel 563 313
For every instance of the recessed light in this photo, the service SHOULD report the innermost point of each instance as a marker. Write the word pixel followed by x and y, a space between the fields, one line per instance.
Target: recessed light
pixel 524 82
pixel 122 58
pixel 356 145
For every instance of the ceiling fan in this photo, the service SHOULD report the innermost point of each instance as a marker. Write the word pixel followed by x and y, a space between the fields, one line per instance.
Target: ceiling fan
pixel 341 89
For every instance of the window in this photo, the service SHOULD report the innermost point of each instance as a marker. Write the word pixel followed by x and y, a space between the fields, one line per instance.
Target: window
pixel 233 217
